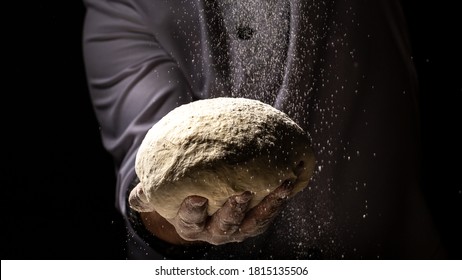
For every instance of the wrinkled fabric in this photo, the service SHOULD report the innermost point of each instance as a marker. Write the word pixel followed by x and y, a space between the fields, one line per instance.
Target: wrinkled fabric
pixel 341 69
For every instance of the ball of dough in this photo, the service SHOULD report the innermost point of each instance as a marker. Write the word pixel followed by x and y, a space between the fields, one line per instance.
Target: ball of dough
pixel 216 148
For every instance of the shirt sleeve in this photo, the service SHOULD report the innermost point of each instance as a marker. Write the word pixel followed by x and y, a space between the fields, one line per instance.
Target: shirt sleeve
pixel 133 82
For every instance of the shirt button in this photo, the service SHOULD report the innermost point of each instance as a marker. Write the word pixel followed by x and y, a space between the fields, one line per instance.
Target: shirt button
pixel 244 32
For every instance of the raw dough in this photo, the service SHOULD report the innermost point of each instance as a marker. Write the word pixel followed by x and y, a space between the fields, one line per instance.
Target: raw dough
pixel 217 148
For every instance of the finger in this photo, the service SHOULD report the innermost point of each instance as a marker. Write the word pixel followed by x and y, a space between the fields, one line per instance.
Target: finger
pixel 192 214
pixel 228 218
pixel 258 218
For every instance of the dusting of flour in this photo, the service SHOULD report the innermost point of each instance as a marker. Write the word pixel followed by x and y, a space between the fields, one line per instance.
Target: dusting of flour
pixel 217 148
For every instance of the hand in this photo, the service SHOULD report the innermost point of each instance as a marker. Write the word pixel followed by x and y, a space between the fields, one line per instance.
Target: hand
pixel 231 223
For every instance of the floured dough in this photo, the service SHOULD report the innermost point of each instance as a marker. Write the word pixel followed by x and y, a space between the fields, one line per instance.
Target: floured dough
pixel 217 148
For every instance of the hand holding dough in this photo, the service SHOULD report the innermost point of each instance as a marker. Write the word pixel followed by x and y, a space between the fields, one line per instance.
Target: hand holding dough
pixel 217 148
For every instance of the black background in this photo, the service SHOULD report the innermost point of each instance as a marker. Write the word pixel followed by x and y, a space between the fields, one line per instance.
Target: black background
pixel 51 138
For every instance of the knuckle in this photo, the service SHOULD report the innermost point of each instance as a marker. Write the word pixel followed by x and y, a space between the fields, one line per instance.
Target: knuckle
pixel 192 217
pixel 227 227
pixel 186 226
pixel 193 227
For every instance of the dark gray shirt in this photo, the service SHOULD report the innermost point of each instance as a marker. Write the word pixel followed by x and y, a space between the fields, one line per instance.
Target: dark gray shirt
pixel 341 69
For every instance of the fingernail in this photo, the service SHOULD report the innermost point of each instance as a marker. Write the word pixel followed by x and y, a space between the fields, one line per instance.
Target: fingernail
pixel 197 201
pixel 244 198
